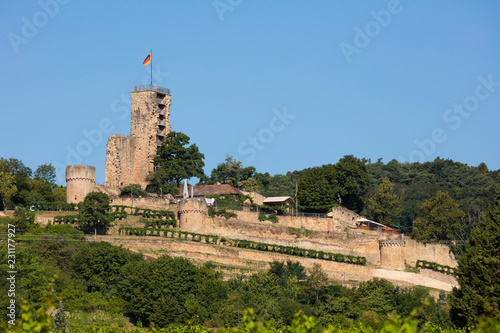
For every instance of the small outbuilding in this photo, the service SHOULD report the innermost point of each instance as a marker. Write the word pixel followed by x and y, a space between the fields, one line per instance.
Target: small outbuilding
pixel 366 224
pixel 278 201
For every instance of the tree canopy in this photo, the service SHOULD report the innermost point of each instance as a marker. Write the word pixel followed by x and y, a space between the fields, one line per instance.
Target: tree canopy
pixel 20 186
pixel 330 185
pixel 93 212
pixel 441 218
pixel 233 173
pixel 384 206
pixel 479 272
pixel 176 160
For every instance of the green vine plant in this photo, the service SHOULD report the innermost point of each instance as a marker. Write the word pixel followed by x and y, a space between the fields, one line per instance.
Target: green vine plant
pixel 271 217
pixel 212 212
pixel 246 244
pixel 436 267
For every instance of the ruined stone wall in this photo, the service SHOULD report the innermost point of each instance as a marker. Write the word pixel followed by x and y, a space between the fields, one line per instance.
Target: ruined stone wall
pixel 80 181
pixel 439 253
pixel 345 243
pixel 119 161
pixel 346 217
pixel 392 253
pixel 145 203
pixel 256 197
pixel 308 222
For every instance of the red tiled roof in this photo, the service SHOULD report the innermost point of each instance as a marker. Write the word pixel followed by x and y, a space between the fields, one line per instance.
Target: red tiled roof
pixel 203 190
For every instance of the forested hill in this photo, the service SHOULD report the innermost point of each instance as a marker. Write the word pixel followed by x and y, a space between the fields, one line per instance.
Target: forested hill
pixel 355 181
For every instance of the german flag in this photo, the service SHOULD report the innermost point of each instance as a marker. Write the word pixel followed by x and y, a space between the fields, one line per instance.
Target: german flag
pixel 147 60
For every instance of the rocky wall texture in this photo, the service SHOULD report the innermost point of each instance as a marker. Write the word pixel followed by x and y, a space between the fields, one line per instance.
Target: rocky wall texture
pixel 439 253
pixel 145 203
pixel 308 222
pixel 119 161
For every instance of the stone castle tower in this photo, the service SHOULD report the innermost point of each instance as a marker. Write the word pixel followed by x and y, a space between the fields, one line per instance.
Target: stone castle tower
pixel 80 181
pixel 392 253
pixel 129 159
pixel 192 214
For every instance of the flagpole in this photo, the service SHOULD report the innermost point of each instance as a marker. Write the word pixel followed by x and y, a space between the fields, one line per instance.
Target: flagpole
pixel 151 63
pixel 296 199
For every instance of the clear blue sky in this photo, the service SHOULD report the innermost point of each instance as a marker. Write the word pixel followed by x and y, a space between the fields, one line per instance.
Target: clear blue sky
pixel 409 80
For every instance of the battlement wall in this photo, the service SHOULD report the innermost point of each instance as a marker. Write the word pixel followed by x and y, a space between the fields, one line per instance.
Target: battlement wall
pixel 145 203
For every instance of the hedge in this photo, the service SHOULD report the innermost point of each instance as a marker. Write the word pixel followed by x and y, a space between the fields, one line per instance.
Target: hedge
pixel 55 206
pixel 436 267
pixel 245 244
pixel 149 213
pixel 159 223
pixel 221 212
pixel 66 219
pixel 272 217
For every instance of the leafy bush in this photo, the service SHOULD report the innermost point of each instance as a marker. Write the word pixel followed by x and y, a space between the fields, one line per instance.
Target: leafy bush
pixel 134 190
pixel 435 267
pixel 212 212
pixel 272 217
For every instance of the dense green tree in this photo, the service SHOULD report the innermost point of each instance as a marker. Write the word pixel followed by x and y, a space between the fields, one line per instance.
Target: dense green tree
pixel 384 206
pixel 23 181
pixel 315 284
pixel 176 160
pixel 23 220
pixel 93 213
pixel 43 184
pixel 479 272
pixel 233 173
pixel 133 190
pixel 46 172
pixel 441 218
pixel 249 185
pixel 157 291
pixel 7 187
pixel 349 180
pixel 342 184
pixel 278 185
pixel 99 265
pixel 315 193
pixel 60 194
pixel 288 270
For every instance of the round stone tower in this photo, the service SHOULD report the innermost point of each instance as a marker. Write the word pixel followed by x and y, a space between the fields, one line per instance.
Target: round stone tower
pixel 192 214
pixel 80 181
pixel 392 253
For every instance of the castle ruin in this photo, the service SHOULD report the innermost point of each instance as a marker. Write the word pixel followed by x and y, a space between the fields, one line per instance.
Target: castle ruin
pixel 129 159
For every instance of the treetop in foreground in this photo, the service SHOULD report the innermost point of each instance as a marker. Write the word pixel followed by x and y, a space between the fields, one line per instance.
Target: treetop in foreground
pixel 478 272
